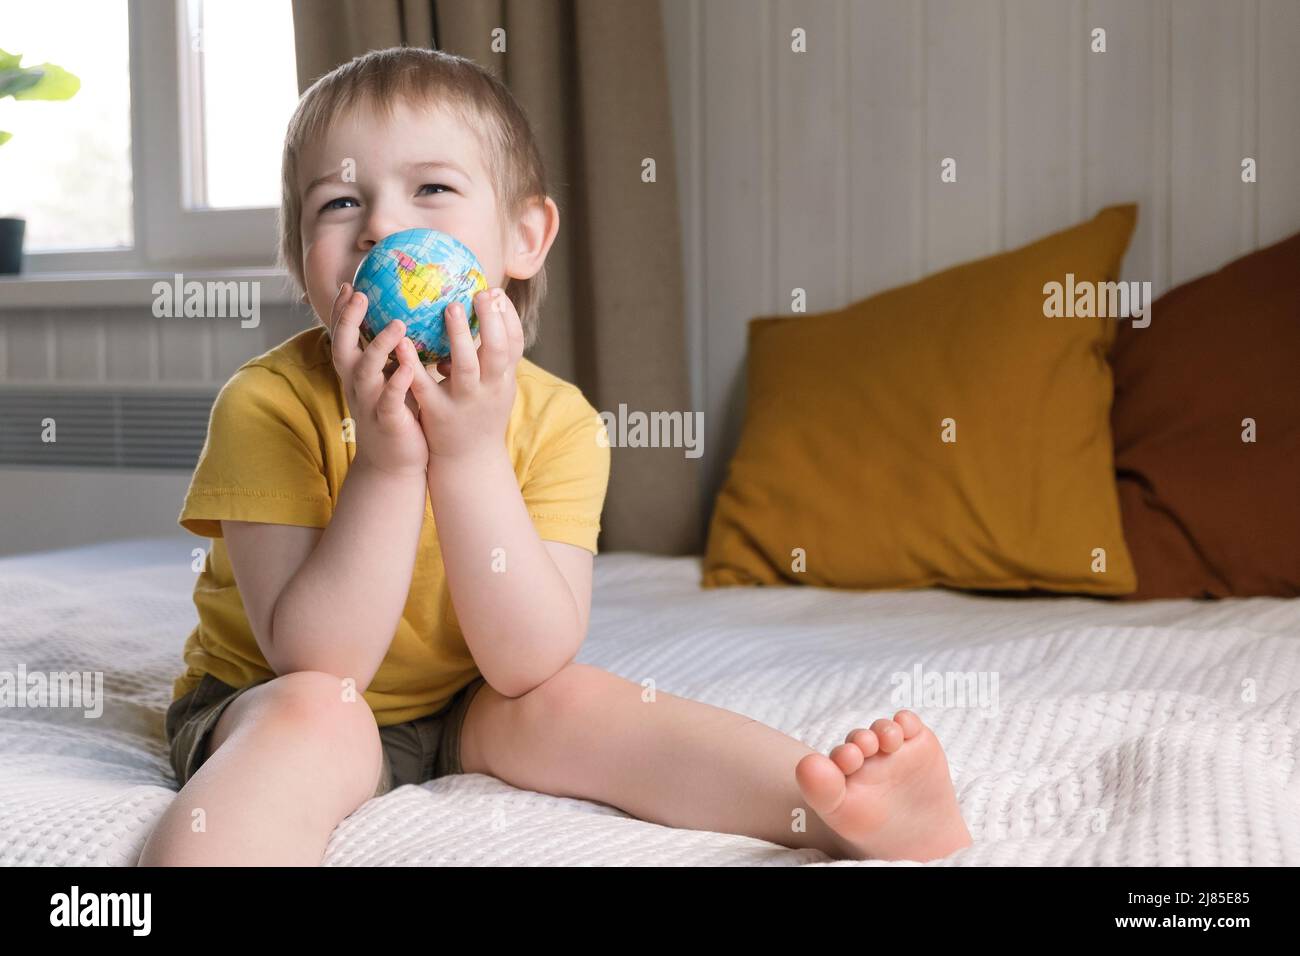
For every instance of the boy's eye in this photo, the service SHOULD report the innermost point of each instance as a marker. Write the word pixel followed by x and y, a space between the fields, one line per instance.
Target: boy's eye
pixel 334 203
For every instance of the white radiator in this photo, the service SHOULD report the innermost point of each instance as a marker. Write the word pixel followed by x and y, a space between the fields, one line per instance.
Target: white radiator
pixel 80 465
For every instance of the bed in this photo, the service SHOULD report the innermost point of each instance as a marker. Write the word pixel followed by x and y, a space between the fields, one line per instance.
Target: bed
pixel 1156 733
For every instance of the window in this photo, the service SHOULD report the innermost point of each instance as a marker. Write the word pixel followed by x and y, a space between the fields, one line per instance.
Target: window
pixel 244 89
pixel 184 100
pixel 67 170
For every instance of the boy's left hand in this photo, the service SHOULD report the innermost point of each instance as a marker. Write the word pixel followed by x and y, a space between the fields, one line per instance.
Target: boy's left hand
pixel 466 414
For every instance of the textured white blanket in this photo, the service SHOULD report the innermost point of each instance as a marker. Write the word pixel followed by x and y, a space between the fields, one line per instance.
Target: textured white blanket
pixel 1162 733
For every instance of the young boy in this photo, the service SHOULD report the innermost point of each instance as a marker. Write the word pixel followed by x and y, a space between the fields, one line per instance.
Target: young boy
pixel 401 566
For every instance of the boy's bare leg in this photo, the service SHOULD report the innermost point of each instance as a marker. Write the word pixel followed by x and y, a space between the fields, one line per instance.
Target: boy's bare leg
pixel 289 760
pixel 587 733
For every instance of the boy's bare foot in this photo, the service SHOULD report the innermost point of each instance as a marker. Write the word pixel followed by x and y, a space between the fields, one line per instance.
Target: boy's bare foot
pixel 886 792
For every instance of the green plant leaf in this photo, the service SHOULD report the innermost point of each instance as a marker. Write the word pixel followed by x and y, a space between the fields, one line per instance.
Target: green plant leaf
pixel 5 137
pixel 9 61
pixel 55 83
pixel 13 82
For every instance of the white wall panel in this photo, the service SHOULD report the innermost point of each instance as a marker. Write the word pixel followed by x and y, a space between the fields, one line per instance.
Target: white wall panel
pixel 1278 124
pixel 1123 133
pixel 963 121
pixel 1209 204
pixel 885 196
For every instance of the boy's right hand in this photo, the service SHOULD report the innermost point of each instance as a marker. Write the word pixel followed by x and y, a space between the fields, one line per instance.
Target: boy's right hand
pixel 388 434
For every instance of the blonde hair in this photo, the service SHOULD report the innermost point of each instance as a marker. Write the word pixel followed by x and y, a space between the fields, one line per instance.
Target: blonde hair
pixel 423 77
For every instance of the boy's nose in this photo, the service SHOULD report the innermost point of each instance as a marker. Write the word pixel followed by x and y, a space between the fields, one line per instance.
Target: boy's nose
pixel 377 225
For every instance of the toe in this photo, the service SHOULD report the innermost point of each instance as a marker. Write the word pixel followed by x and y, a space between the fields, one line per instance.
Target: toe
pixel 821 783
pixel 866 741
pixel 848 757
pixel 911 724
pixel 890 734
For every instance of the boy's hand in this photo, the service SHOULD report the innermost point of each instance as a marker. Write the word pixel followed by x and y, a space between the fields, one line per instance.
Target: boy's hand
pixel 466 414
pixel 389 437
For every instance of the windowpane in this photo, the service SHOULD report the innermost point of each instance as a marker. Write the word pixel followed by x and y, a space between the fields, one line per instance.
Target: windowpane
pixel 67 170
pixel 249 91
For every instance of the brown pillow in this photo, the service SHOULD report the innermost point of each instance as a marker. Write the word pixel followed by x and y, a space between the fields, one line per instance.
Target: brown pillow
pixel 1205 513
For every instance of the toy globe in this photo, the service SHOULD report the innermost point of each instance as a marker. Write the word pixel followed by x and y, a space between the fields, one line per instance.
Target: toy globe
pixel 413 276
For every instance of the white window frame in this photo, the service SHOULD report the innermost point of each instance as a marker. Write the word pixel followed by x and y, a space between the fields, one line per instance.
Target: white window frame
pixel 167 235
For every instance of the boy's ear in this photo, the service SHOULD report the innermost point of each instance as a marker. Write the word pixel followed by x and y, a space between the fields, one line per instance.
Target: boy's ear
pixel 531 237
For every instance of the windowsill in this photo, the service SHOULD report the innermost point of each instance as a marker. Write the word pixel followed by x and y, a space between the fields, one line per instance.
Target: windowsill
pixel 36 290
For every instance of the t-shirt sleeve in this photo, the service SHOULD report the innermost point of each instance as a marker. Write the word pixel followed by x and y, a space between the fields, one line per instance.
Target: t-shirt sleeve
pixel 261 460
pixel 564 490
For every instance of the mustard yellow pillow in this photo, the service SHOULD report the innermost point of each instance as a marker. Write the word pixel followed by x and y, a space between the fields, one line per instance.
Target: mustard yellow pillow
pixel 947 432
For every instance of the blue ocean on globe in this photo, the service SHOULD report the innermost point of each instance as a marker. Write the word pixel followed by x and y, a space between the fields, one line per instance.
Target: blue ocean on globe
pixel 414 275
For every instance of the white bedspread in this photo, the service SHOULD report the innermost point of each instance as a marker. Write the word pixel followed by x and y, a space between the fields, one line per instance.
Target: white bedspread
pixel 1160 733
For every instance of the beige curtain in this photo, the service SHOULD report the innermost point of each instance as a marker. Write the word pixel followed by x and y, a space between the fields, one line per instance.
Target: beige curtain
pixel 593 78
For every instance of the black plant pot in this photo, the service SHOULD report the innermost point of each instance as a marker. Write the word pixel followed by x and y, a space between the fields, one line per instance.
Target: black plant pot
pixel 11 246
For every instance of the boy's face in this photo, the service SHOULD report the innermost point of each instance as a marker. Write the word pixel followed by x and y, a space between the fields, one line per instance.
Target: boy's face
pixel 400 183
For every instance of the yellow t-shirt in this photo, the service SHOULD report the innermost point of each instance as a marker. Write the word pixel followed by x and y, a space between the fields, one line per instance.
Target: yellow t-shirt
pixel 275 453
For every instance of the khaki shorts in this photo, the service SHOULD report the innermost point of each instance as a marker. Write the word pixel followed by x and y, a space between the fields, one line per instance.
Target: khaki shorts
pixel 413 752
